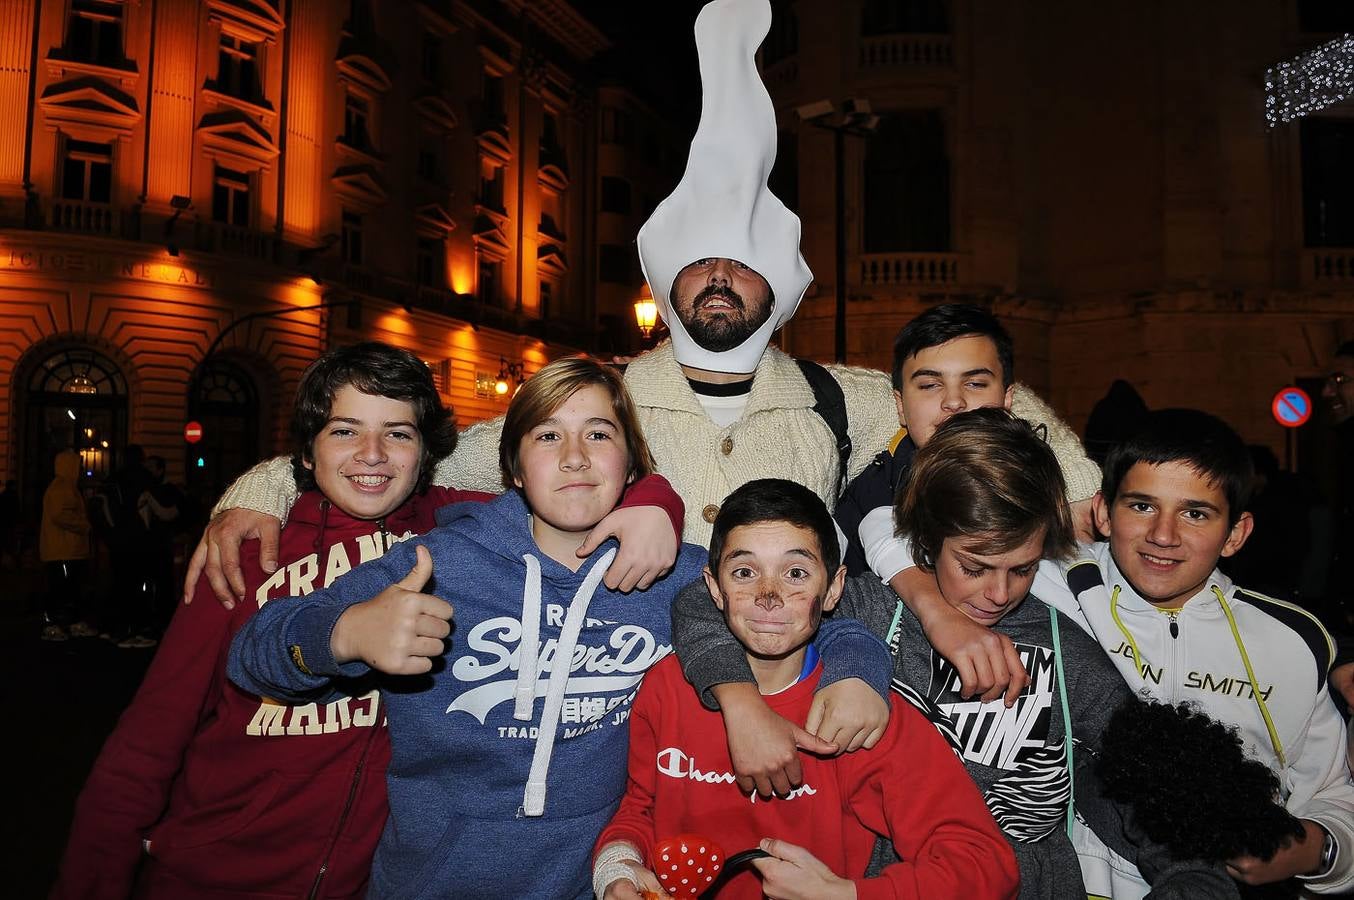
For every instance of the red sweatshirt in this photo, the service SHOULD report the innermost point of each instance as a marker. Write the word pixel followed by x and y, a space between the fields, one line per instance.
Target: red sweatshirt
pixel 910 788
pixel 237 796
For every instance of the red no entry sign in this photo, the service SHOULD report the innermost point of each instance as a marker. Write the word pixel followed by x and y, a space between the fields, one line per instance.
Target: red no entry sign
pixel 1291 407
pixel 192 432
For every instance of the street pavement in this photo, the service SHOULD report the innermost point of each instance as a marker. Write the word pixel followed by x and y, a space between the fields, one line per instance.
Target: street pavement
pixel 63 700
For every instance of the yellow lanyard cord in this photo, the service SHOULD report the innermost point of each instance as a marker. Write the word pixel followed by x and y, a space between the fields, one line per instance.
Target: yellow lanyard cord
pixel 1245 660
pixel 1128 636
pixel 1255 686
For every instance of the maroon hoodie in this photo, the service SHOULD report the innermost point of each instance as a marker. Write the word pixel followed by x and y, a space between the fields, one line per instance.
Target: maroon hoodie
pixel 229 795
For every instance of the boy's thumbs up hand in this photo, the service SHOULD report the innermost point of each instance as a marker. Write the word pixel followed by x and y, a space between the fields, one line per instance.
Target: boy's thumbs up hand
pixel 400 629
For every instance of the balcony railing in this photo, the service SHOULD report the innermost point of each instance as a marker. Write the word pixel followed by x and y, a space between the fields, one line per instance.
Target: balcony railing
pixel 895 50
pixel 1328 266
pixel 218 237
pixel 83 216
pixel 909 269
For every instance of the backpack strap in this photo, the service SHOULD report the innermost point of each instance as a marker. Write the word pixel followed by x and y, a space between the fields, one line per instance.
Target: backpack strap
pixel 830 403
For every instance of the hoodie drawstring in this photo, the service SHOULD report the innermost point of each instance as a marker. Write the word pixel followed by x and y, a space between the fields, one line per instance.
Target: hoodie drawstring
pixel 530 644
pixel 1274 741
pixel 533 800
pixel 324 523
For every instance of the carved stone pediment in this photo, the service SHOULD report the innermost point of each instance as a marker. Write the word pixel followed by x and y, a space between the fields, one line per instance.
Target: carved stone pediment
pixel 237 139
pixel 551 260
pixel 89 109
pixel 434 217
pixel 359 188
pixel 250 20
pixel 436 111
pixel 489 240
pixel 363 65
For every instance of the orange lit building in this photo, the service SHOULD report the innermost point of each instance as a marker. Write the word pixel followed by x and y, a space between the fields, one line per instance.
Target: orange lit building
pixel 197 198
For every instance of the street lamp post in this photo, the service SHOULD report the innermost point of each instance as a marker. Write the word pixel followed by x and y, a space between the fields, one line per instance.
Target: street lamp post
pixel 854 118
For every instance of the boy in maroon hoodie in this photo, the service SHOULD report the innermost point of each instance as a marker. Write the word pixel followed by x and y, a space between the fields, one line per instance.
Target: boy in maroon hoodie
pixel 228 795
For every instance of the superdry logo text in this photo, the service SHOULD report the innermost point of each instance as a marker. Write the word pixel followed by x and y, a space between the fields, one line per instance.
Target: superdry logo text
pixel 604 670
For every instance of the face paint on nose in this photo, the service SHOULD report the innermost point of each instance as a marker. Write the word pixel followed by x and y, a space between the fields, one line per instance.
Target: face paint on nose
pixel 769 600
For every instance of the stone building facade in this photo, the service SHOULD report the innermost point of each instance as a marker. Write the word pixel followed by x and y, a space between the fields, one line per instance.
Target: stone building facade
pixel 197 198
pixel 1101 175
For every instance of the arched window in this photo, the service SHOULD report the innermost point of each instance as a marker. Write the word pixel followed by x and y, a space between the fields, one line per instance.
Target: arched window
pixel 73 399
pixel 224 399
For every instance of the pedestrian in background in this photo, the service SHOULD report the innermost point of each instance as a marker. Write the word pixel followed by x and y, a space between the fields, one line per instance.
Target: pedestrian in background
pixel 64 548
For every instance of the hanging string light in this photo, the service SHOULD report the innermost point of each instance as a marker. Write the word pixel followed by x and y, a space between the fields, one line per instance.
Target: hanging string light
pixel 1311 82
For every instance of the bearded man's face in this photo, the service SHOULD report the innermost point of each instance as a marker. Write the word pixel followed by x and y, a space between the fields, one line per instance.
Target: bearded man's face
pixel 720 302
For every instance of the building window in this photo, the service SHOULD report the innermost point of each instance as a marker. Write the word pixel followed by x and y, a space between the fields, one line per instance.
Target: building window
pixel 357 122
pixel 237 68
pixel 230 197
pixel 428 267
pixel 351 239
pixel 783 39
pixel 486 287
pixel 552 147
pixel 360 20
pixel 615 126
pixel 904 17
pixel 784 180
pixel 907 184
pixel 492 100
pixel 1327 182
pixel 615 195
pixel 615 264
pixel 87 172
pixel 430 57
pixel 429 163
pixel 491 189
pixel 547 298
pixel 94 31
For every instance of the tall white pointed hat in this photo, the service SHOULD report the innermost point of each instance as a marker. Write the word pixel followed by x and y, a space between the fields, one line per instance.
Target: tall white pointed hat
pixel 722 206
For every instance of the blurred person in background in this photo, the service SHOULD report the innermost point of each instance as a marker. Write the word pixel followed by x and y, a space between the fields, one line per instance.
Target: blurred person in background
pixel 64 549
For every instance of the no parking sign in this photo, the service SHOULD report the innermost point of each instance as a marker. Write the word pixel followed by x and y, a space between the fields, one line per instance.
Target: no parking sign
pixel 1291 407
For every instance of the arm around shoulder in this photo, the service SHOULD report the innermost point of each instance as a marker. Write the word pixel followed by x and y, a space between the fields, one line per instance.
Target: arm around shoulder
pixel 268 487
pixel 473 465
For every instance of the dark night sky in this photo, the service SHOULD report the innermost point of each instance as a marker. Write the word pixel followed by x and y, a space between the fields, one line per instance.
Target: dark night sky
pixel 654 52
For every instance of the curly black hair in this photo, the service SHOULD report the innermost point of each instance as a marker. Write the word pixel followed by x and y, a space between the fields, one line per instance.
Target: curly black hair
pixel 1193 789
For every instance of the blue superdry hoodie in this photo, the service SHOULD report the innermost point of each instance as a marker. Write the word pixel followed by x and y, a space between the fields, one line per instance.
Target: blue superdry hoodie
pixel 484 801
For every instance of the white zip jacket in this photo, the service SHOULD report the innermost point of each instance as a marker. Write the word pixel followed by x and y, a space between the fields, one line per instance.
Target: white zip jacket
pixel 1290 653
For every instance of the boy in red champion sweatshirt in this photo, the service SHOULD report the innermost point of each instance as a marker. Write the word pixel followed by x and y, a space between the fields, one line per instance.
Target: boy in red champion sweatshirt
pixel 228 795
pixel 774 569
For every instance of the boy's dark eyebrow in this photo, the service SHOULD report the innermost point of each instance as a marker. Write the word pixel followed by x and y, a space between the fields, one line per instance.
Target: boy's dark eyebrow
pixel 935 373
pixel 796 551
pixel 1188 503
pixel 349 420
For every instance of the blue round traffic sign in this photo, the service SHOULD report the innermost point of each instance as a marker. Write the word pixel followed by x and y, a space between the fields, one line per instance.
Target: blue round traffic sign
pixel 1291 407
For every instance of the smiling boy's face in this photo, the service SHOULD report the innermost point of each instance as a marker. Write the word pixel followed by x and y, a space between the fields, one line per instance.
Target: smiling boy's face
pixel 1167 527
pixel 773 587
